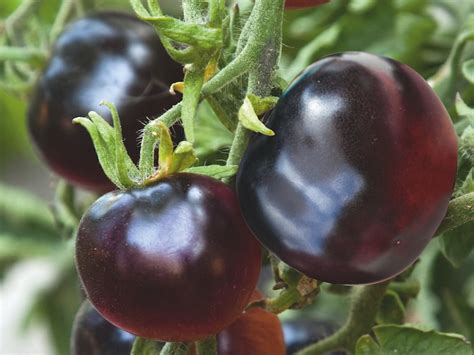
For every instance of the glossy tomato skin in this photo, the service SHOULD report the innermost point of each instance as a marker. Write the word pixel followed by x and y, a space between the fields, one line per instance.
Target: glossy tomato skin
pixel 93 335
pixel 300 333
pixel 106 56
pixel 173 261
pixel 256 332
pixel 359 175
pixel 294 4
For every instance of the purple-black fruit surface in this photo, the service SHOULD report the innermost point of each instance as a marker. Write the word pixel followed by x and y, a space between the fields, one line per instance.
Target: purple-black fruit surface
pixel 93 335
pixel 105 56
pixel 173 261
pixel 360 172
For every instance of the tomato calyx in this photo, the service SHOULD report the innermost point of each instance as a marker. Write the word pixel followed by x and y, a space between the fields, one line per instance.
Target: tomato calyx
pixel 119 167
pixel 297 291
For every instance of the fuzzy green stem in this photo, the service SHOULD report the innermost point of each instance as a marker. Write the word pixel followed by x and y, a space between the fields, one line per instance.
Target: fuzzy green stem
pixel 409 288
pixel 16 19
pixel 268 17
pixel 460 211
pixel 267 38
pixel 207 346
pixel 365 305
pixel 175 349
pixel 64 12
pixel 23 54
pixel 194 11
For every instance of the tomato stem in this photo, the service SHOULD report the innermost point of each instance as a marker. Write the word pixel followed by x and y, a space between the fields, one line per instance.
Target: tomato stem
pixel 64 12
pixel 460 211
pixel 264 31
pixel 365 305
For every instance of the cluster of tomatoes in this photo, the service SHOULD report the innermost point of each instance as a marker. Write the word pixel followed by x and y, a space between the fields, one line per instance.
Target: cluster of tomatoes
pixel 349 191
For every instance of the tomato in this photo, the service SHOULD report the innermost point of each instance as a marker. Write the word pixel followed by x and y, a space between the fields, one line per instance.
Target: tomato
pixel 93 335
pixel 304 3
pixel 173 261
pixel 300 333
pixel 107 56
pixel 360 172
pixel 255 332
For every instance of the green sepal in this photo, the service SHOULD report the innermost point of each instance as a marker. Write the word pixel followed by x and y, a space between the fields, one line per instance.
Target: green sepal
pixel 183 157
pixel 111 151
pixel 468 70
pixel 249 119
pixel 406 339
pixel 104 154
pixel 165 153
pixel 215 171
pixel 186 55
pixel 171 160
pixel 191 34
pixel 262 104
pixel 193 82
pixel 143 346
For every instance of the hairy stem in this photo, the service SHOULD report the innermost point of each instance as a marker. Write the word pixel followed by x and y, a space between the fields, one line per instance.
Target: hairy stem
pixel 365 305
pixel 268 39
pixel 460 211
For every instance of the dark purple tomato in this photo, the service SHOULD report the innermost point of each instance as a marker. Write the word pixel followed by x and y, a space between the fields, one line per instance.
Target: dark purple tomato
pixel 294 4
pixel 303 332
pixel 107 56
pixel 360 172
pixel 173 261
pixel 93 335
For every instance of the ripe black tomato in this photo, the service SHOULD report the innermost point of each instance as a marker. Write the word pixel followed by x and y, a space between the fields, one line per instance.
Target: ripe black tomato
pixel 106 56
pixel 93 335
pixel 300 333
pixel 360 172
pixel 173 261
pixel 294 4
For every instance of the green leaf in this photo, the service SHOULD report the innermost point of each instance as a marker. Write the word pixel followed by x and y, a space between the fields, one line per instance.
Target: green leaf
pixel 211 135
pixel 215 171
pixel 468 70
pixel 392 310
pixel 406 339
pixel 250 120
pixel 458 244
pixel 143 346
pixel 463 109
